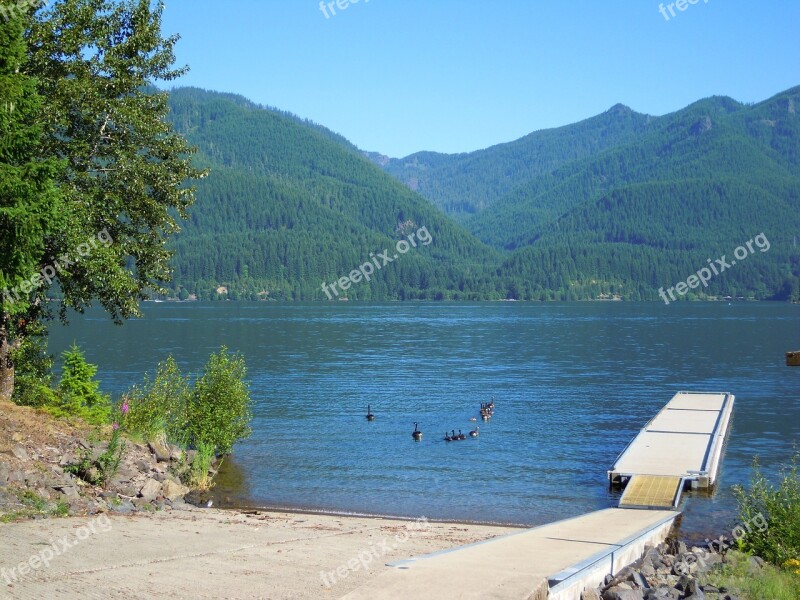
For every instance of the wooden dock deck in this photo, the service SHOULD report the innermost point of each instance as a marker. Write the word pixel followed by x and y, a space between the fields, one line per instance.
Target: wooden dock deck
pixel 682 443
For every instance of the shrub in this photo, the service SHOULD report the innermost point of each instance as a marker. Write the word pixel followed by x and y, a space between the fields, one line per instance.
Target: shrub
pixel 158 406
pixel 218 411
pixel 33 379
pixel 79 391
pixel 779 542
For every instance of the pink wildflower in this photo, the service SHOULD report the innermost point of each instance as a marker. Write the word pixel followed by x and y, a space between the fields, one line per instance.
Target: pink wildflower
pixel 115 426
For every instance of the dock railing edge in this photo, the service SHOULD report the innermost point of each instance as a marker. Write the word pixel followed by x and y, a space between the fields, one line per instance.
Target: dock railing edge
pixel 719 437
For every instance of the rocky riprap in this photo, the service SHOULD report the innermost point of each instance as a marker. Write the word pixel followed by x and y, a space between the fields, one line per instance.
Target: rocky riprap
pixel 670 571
pixel 35 451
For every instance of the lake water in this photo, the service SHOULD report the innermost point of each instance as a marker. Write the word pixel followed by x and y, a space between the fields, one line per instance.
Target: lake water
pixel 572 383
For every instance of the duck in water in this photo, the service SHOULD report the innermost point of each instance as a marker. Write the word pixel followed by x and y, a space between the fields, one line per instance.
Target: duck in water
pixel 370 416
pixel 416 434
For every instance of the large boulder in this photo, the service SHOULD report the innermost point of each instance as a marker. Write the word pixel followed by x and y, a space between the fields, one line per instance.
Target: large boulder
pixel 172 490
pixel 161 450
pixel 150 490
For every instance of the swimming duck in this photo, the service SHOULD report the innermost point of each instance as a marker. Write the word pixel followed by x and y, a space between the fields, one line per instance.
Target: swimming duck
pixel 416 434
pixel 370 416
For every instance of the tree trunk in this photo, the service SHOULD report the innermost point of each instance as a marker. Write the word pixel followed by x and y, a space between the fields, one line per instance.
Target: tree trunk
pixel 6 365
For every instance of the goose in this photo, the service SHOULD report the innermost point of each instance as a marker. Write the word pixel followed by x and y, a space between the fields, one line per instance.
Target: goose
pixel 461 436
pixel 475 432
pixel 447 437
pixel 454 436
pixel 370 416
pixel 416 434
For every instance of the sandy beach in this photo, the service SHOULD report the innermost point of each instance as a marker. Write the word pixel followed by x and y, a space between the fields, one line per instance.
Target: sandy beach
pixel 209 553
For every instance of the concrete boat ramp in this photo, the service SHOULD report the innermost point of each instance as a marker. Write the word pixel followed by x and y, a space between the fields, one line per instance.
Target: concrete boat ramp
pixel 682 445
pixel 552 561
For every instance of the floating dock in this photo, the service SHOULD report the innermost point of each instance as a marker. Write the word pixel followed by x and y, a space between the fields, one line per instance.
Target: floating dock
pixel 681 445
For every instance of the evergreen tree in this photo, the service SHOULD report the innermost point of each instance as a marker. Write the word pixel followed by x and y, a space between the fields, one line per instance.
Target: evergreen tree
pixel 29 202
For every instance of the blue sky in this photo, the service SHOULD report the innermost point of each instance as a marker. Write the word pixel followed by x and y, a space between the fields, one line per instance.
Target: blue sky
pixel 458 75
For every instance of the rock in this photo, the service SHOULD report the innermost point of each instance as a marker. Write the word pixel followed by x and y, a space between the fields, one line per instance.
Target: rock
pixel 608 579
pixel 639 580
pixel 16 477
pixel 143 466
pixel 181 504
pixel 69 491
pixel 124 508
pixel 175 453
pixel 618 593
pixel 161 451
pixel 16 437
pixel 20 453
pixel 693 591
pixel 683 583
pixel 150 490
pixel 78 505
pixel 190 456
pixel 756 563
pixel 173 491
pixel 590 595
pixel 647 570
pixel 710 589
pixel 4 471
pixel 662 593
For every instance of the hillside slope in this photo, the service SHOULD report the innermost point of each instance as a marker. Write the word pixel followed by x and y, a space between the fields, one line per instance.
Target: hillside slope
pixel 289 206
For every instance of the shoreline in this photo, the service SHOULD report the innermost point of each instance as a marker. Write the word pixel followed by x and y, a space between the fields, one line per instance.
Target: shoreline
pixel 195 552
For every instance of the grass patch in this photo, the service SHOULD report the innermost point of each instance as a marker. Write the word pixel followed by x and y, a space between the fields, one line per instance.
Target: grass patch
pixel 777 507
pixel 748 582
pixel 32 505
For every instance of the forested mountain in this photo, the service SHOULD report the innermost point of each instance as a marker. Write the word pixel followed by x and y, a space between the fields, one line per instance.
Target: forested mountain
pixel 648 209
pixel 289 205
pixel 615 206
pixel 462 184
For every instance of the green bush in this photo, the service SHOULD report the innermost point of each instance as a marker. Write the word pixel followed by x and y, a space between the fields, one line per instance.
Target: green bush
pixel 79 392
pixel 33 380
pixel 779 541
pixel 158 406
pixel 210 416
pixel 218 412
